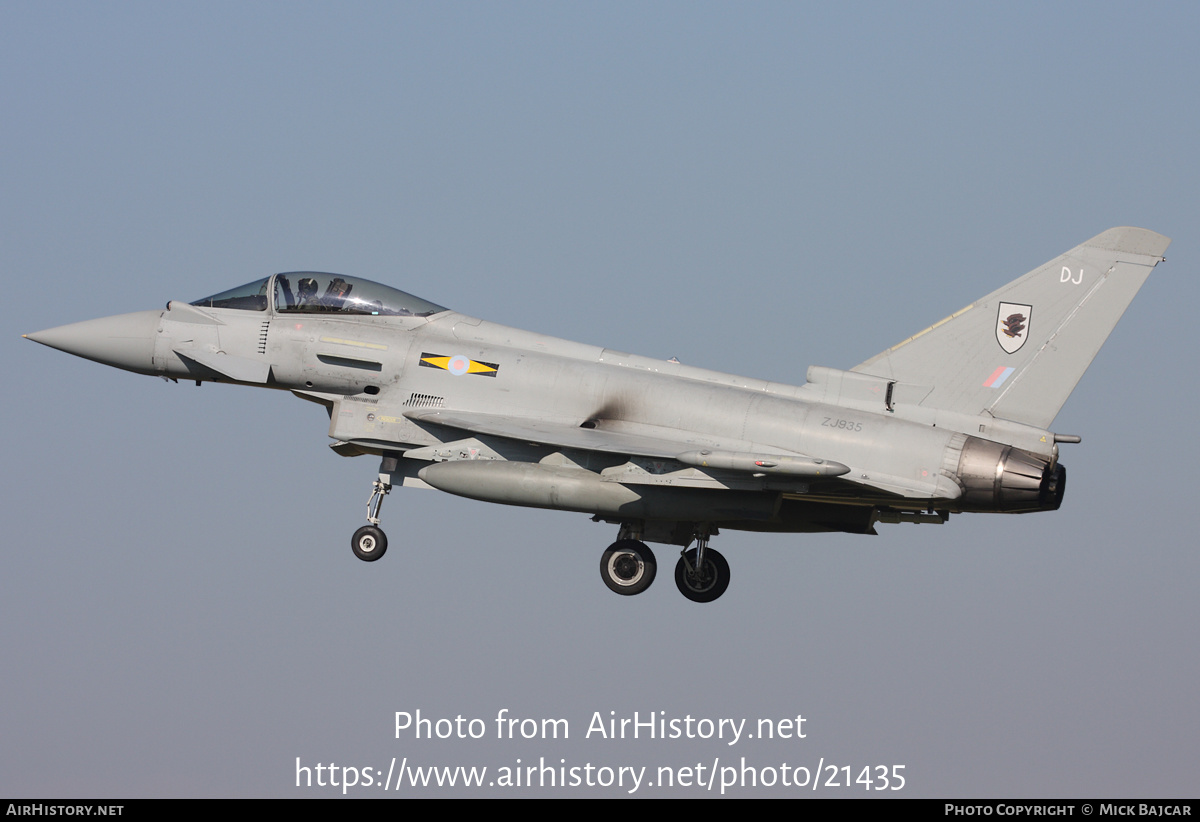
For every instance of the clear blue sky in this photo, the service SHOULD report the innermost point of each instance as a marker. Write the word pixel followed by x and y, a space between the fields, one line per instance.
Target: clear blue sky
pixel 748 187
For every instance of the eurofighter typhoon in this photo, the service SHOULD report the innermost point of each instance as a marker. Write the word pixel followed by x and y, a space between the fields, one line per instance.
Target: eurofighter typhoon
pixel 952 419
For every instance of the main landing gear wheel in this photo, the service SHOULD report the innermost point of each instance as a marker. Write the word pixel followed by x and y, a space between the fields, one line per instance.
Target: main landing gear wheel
pixel 703 584
pixel 369 543
pixel 628 567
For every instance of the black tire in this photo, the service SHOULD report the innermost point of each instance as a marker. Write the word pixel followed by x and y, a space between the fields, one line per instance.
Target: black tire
pixel 369 543
pixel 628 567
pixel 708 582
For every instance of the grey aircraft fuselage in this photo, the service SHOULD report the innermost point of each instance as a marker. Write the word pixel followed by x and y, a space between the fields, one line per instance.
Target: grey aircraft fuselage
pixel 955 418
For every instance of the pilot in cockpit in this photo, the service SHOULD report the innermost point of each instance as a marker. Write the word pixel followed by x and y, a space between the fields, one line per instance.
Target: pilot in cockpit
pixel 307 292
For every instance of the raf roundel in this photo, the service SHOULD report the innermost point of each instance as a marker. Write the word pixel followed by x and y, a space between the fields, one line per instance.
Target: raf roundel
pixel 459 364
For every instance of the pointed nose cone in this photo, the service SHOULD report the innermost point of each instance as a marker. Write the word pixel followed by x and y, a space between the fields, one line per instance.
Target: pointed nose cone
pixel 124 341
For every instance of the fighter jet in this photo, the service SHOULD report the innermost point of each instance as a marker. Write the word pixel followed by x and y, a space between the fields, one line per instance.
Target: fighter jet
pixel 954 418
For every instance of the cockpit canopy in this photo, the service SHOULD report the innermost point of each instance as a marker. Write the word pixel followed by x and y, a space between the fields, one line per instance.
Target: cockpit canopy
pixel 314 292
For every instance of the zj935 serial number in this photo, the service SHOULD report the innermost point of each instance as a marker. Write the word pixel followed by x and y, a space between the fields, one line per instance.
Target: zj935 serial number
pixel 845 425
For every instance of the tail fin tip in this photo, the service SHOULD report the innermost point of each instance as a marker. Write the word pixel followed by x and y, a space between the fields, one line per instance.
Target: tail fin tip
pixel 1130 240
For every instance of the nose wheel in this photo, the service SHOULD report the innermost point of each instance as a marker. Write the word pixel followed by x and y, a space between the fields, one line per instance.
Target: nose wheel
pixel 369 543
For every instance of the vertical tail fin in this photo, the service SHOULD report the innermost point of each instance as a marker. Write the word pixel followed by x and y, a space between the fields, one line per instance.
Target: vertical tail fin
pixel 1020 351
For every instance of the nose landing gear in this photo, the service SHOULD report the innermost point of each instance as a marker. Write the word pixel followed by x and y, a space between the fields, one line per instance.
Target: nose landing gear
pixel 369 542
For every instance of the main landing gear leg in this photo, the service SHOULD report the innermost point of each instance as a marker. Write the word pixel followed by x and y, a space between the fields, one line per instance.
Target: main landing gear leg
pixel 369 542
pixel 702 574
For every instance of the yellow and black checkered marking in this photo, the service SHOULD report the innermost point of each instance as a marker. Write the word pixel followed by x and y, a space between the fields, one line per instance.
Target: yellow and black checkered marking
pixel 458 364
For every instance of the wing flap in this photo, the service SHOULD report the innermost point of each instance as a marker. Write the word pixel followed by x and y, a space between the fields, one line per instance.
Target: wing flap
pixel 908 488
